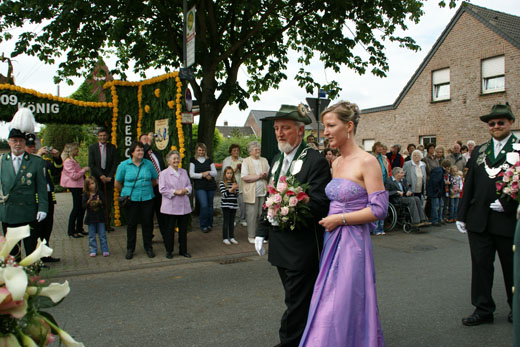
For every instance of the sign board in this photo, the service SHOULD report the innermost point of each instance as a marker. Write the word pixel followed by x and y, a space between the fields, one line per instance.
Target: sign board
pixel 188 100
pixel 190 37
pixel 187 118
pixel 313 104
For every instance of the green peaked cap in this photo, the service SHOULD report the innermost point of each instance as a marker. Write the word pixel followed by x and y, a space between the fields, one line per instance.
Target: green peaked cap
pixel 499 111
pixel 296 113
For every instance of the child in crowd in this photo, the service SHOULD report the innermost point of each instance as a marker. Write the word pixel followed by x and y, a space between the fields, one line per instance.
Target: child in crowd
pixel 95 216
pixel 455 188
pixel 229 204
pixel 446 165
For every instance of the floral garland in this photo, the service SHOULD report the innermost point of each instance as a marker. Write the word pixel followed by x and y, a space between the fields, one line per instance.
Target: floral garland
pixel 178 113
pixel 54 97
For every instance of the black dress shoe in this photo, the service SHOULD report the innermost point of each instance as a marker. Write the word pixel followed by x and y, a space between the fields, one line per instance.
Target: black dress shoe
pixel 76 236
pixel 50 260
pixel 477 319
pixel 510 317
pixel 150 253
pixel 187 255
pixel 129 255
pixel 83 233
pixel 169 255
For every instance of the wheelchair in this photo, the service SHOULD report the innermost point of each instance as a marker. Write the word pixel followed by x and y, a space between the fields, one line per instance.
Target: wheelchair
pixel 398 214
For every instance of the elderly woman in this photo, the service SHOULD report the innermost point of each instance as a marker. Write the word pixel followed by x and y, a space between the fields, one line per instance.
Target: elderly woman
pixel 235 162
pixel 203 173
pixel 175 188
pixel 72 177
pixel 415 172
pixel 254 186
pixel 135 178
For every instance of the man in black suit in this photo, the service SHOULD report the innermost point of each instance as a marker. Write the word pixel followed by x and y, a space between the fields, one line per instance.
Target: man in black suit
pixel 103 161
pixel 296 253
pixel 158 162
pixel 488 218
pixel 399 193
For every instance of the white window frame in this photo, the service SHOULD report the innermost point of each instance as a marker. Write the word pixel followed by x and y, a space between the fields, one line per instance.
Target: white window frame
pixel 441 84
pixel 368 143
pixel 493 75
pixel 430 138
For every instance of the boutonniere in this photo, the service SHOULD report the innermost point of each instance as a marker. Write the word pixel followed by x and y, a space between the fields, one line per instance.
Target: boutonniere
pixel 29 182
pixel 22 179
pixel 29 175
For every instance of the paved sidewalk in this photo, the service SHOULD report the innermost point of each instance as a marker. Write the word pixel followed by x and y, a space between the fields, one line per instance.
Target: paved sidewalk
pixel 75 259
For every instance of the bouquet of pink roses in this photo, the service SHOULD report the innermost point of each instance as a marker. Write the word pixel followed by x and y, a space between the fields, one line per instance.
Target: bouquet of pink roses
pixel 284 204
pixel 510 183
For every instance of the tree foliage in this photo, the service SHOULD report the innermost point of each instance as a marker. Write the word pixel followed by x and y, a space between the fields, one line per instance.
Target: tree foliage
pixel 254 34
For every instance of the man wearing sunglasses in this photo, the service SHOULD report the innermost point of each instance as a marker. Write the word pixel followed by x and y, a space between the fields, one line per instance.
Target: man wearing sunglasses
pixel 487 217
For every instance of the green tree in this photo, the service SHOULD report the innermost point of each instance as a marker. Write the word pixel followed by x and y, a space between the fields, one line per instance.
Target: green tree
pixel 254 34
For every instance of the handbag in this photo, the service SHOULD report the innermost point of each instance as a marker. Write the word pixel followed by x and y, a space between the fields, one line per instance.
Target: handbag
pixel 125 200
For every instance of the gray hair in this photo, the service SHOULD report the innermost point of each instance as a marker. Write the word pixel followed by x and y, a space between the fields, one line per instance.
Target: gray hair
pixel 470 142
pixel 419 152
pixel 252 145
pixel 396 170
pixel 170 153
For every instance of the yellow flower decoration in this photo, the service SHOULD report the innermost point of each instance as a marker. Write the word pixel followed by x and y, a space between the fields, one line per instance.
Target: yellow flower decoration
pixel 157 92
pixel 146 108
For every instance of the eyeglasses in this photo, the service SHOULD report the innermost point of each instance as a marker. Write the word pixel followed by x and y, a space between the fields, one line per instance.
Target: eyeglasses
pixel 500 123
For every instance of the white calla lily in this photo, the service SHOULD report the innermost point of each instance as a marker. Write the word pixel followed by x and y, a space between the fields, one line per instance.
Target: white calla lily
pixel 512 157
pixel 56 291
pixel 68 340
pixel 12 237
pixel 41 251
pixel 15 280
pixel 26 340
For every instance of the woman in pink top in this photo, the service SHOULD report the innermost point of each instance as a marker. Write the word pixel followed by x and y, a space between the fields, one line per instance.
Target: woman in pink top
pixel 72 177
pixel 175 188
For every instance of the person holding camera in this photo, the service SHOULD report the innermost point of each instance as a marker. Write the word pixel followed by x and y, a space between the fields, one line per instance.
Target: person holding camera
pixel 158 163
pixel 103 160
pixel 53 165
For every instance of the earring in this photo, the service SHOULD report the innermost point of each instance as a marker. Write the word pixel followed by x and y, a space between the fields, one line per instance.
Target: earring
pixel 348 136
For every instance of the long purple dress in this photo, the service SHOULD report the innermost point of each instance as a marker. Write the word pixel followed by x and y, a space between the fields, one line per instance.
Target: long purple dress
pixel 343 311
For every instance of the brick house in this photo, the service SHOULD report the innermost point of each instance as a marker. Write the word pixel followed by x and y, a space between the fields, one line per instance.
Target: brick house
pixel 473 65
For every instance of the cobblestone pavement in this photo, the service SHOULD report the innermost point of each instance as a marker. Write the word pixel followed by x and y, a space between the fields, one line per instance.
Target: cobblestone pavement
pixel 75 259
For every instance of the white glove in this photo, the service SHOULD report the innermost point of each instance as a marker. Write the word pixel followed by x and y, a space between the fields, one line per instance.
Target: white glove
pixel 461 226
pixel 496 206
pixel 259 245
pixel 41 216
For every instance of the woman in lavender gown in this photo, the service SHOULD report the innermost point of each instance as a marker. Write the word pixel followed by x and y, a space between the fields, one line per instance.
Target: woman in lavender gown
pixel 343 309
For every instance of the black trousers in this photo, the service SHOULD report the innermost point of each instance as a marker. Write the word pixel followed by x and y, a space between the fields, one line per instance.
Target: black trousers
pixel 157 200
pixel 139 212
pixel 168 232
pixel 29 243
pixel 107 190
pixel 44 228
pixel 77 214
pixel 298 287
pixel 228 227
pixel 483 247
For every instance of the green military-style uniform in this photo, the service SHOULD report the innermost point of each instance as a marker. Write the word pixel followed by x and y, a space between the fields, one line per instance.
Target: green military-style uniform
pixel 19 204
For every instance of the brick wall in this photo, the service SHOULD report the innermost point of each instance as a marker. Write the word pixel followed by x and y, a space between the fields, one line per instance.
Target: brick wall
pixel 465 46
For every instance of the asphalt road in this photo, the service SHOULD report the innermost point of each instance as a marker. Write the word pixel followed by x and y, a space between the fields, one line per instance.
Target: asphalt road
pixel 423 292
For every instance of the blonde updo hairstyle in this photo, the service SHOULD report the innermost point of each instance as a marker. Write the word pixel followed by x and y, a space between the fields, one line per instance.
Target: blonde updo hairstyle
pixel 346 112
